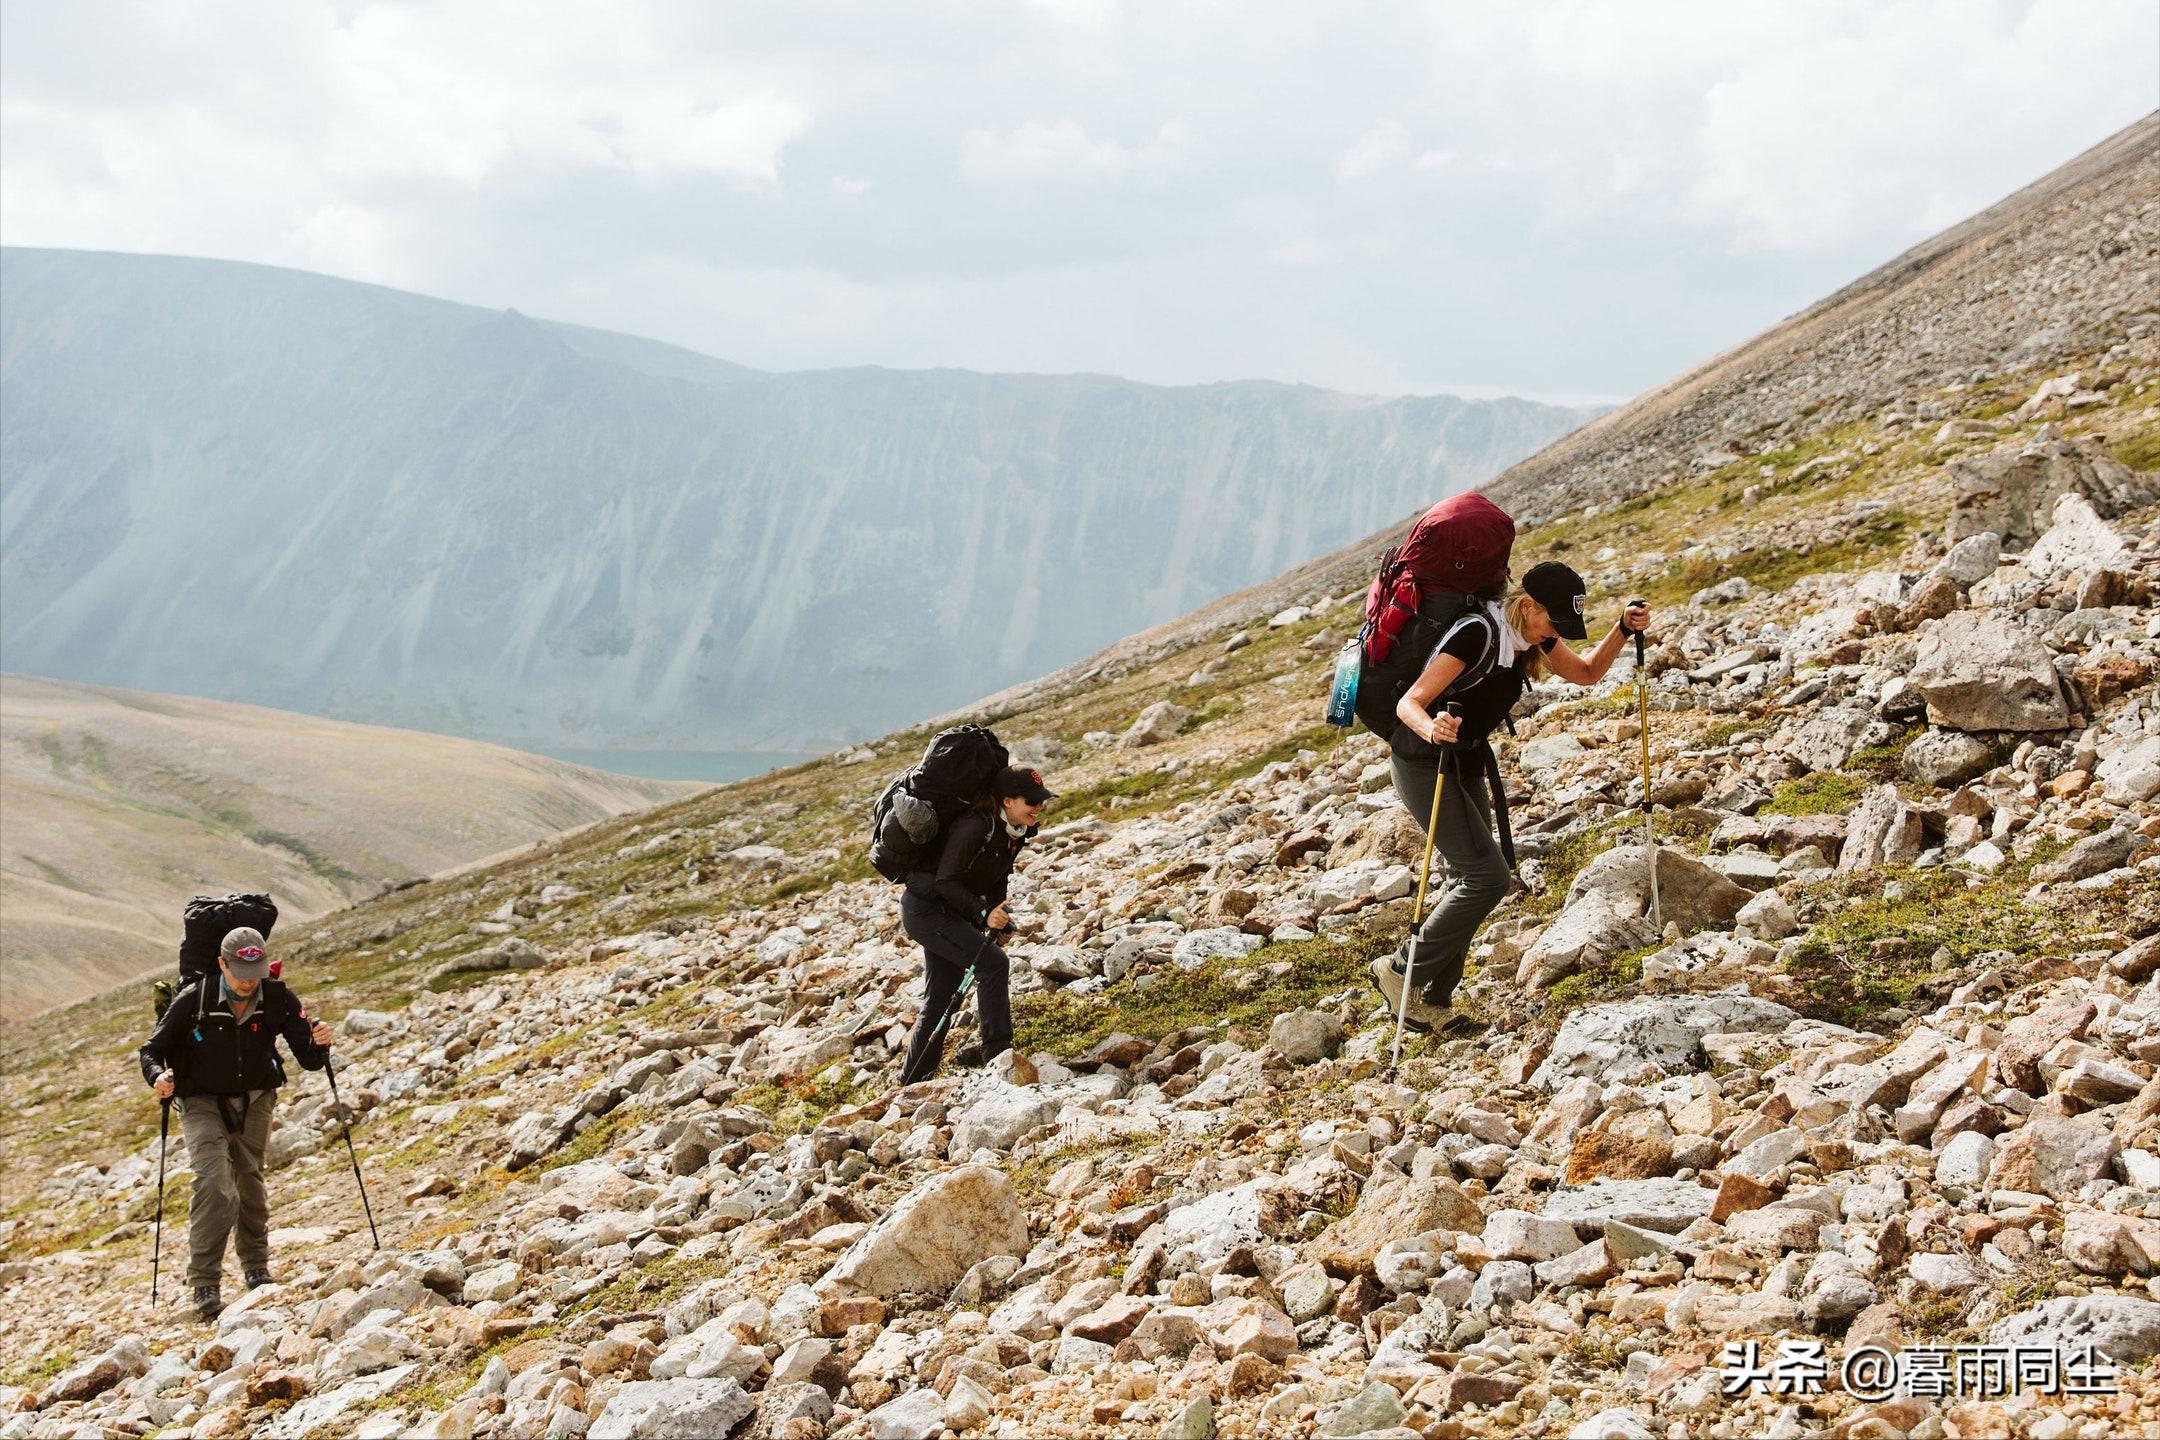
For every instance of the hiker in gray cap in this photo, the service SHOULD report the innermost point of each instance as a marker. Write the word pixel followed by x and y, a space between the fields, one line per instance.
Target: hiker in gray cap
pixel 214 1053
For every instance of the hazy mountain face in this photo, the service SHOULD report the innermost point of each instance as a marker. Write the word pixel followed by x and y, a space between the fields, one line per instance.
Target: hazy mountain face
pixel 247 483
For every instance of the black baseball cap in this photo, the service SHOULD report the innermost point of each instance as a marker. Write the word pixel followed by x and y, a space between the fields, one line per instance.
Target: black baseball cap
pixel 1560 590
pixel 1025 783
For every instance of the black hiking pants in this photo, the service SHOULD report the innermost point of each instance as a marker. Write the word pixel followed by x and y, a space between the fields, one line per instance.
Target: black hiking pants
pixel 950 945
pixel 1477 876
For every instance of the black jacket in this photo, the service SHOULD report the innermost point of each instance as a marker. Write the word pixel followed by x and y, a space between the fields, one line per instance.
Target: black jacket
pixel 973 868
pixel 210 1053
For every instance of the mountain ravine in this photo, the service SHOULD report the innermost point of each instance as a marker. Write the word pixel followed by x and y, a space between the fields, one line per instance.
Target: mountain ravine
pixel 256 484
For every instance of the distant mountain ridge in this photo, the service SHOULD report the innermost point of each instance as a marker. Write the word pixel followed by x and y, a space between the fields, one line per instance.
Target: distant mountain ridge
pixel 118 805
pixel 259 484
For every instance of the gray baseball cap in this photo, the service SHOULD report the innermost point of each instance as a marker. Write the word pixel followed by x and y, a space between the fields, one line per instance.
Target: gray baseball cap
pixel 244 953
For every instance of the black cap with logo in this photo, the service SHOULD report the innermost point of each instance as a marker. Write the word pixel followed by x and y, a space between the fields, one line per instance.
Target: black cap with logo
pixel 1026 783
pixel 1560 590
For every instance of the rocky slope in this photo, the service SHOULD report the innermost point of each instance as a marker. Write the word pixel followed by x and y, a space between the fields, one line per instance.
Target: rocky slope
pixel 120 805
pixel 1884 1078
pixel 268 486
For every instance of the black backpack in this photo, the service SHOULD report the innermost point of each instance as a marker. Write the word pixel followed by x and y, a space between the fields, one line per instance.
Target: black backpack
pixel 1383 683
pixel 957 772
pixel 206 921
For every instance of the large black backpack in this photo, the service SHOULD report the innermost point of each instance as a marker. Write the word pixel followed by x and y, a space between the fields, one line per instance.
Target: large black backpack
pixel 1383 683
pixel 207 920
pixel 958 772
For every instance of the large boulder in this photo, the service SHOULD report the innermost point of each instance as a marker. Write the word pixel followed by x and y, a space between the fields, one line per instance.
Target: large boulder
pixel 2053 1155
pixel 1215 1224
pixel 999 1116
pixel 2026 1039
pixel 1588 929
pixel 1159 722
pixel 1971 560
pixel 1393 1210
pixel 2078 543
pixel 1612 1042
pixel 931 1237
pixel 2120 1327
pixel 1667 1206
pixel 1305 1036
pixel 1943 758
pixel 1826 739
pixel 674 1410
pixel 2013 491
pixel 1610 899
pixel 1980 671
pixel 2132 774
pixel 1884 831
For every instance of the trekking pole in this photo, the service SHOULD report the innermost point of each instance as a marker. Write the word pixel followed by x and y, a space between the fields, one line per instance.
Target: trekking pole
pixel 157 1231
pixel 1642 696
pixel 350 1154
pixel 1417 911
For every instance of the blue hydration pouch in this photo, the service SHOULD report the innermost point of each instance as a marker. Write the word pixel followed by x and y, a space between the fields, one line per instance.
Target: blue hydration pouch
pixel 1342 698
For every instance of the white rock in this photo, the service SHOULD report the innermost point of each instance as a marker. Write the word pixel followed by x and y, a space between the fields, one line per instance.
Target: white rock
pixel 1158 722
pixel 1547 751
pixel 1197 947
pixel 673 1410
pixel 1947 1274
pixel 998 1116
pixel 2079 542
pixel 2120 1327
pixel 917 1415
pixel 928 1240
pixel 1520 1235
pixel 1616 1040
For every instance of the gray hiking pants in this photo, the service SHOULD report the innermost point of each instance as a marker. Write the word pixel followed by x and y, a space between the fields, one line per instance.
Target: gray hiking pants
pixel 1477 876
pixel 228 1192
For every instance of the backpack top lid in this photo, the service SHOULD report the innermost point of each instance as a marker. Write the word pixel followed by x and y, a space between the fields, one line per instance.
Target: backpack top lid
pixel 1462 544
pixel 961 764
pixel 207 919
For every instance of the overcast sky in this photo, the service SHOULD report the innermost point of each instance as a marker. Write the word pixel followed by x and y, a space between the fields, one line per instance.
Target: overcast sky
pixel 1566 199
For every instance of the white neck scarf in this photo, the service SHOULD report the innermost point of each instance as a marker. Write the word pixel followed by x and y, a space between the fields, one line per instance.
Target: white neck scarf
pixel 1510 643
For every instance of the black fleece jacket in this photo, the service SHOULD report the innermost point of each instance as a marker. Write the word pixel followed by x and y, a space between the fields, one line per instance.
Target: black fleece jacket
pixel 974 867
pixel 210 1053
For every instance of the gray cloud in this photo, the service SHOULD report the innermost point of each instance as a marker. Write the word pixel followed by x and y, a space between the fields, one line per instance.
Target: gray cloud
pixel 1564 198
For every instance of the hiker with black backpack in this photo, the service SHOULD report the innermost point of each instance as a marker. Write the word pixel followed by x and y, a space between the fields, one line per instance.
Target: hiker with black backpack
pixel 1447 777
pixel 956 912
pixel 213 1054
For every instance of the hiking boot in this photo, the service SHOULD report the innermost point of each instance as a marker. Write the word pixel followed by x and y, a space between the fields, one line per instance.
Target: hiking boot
pixel 256 1279
pixel 969 1056
pixel 1419 1014
pixel 1456 1025
pixel 207 1304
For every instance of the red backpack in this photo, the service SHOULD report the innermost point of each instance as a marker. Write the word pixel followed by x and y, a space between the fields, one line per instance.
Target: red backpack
pixel 1461 544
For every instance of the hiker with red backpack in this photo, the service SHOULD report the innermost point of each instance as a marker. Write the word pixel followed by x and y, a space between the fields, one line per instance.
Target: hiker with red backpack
pixel 1445 654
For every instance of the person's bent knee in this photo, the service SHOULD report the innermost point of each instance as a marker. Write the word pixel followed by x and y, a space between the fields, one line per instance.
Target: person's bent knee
pixel 994 962
pixel 1489 886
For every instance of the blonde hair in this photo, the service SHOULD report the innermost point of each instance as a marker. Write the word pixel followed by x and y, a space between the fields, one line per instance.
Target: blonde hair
pixel 1533 656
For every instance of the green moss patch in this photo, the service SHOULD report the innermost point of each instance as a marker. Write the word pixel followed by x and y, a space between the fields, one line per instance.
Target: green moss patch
pixel 1903 937
pixel 800 1105
pixel 1247 992
pixel 1827 792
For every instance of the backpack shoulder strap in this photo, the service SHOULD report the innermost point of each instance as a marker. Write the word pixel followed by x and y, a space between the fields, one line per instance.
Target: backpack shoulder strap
pixel 1478 669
